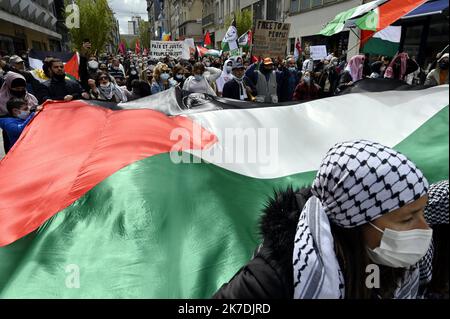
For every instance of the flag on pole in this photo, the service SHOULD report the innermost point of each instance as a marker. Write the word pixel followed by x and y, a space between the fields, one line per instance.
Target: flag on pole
pixel 245 40
pixel 122 48
pixel 207 43
pixel 201 51
pixel 297 50
pixel 229 42
pixel 137 48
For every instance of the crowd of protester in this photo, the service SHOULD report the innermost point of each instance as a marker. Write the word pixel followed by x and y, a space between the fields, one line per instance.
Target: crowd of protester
pixel 122 78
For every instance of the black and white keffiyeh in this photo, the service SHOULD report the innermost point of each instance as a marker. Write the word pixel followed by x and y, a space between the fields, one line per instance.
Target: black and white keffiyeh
pixel 357 182
pixel 436 213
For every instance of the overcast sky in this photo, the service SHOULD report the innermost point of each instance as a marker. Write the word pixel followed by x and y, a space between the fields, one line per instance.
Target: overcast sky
pixel 125 9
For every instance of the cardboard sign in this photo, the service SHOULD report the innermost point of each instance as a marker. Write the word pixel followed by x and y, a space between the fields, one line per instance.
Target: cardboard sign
pixel 318 52
pixel 174 49
pixel 270 38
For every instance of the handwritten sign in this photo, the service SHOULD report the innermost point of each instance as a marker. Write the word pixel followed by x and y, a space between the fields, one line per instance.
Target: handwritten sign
pixel 174 49
pixel 270 38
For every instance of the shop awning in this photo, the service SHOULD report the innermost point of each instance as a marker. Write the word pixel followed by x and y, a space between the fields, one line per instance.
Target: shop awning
pixel 432 7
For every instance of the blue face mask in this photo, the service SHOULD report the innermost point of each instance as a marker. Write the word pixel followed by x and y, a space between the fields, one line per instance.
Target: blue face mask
pixel 292 69
pixel 23 115
pixel 165 76
pixel 198 77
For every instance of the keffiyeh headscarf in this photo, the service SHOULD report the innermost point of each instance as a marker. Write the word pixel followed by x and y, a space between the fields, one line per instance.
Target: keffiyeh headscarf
pixel 357 182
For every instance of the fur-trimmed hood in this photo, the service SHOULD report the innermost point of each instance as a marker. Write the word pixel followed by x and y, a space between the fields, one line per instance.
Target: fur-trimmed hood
pixel 279 222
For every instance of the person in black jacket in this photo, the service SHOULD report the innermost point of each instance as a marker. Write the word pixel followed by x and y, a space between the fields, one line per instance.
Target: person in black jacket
pixel 368 206
pixel 240 87
pixel 58 87
pixel 288 78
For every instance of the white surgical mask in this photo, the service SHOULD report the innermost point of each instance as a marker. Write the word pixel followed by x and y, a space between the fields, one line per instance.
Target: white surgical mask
pixel 104 85
pixel 93 64
pixel 179 77
pixel 165 76
pixel 23 115
pixel 228 69
pixel 198 77
pixel 307 79
pixel 401 249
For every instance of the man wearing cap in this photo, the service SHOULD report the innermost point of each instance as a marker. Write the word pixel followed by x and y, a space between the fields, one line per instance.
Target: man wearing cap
pixel 17 62
pixel 239 87
pixel 265 80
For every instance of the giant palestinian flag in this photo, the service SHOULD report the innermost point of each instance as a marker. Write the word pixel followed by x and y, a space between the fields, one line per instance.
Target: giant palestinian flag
pixel 138 204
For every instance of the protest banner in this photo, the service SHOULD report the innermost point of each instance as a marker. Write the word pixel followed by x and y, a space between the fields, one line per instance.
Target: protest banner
pixel 174 49
pixel 270 38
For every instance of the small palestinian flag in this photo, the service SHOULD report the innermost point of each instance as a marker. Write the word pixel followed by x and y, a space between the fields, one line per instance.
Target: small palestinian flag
pixel 230 40
pixel 70 59
pixel 245 40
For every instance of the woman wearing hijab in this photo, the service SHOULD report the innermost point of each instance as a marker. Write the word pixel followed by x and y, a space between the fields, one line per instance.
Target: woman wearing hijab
pixel 225 76
pixel 362 216
pixel 353 72
pixel 105 90
pixel 14 85
pixel 400 66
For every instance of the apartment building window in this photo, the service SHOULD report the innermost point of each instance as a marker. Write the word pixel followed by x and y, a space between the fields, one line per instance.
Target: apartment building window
pixel 258 10
pixel 272 11
pixel 217 13
pixel 228 10
pixel 222 9
pixel 304 5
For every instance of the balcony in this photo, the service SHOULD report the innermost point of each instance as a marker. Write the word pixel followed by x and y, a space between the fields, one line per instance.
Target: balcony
pixel 209 19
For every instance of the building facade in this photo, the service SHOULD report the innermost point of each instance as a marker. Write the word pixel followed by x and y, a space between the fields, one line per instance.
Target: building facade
pixel 133 25
pixel 32 24
pixel 186 19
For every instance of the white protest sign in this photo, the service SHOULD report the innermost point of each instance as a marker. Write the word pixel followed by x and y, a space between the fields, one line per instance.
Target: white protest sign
pixel 318 52
pixel 174 49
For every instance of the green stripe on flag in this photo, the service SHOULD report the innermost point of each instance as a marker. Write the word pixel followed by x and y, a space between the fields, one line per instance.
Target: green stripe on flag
pixel 381 47
pixel 428 147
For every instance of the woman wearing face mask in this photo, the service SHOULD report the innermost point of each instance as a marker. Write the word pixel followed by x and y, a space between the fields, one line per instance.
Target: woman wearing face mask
pixel 179 74
pixel 224 77
pixel 18 117
pixel 439 75
pixel 14 85
pixel 307 89
pixel 161 79
pixel 105 90
pixel 202 79
pixel 363 215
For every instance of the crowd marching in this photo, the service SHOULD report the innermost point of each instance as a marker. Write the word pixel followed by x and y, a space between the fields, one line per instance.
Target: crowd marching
pixel 118 78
